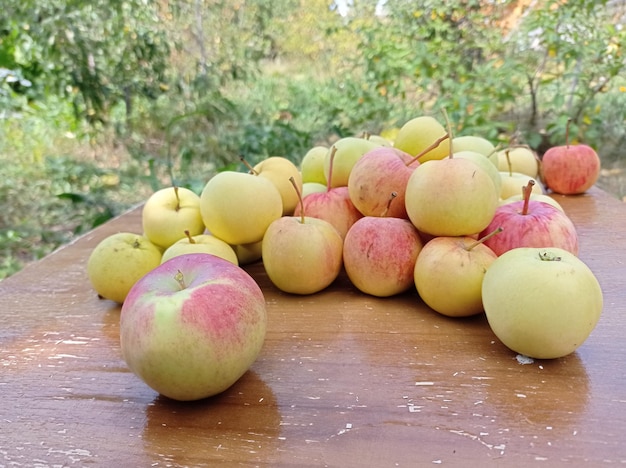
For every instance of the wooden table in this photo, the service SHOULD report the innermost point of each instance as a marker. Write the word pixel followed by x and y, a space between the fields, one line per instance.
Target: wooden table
pixel 343 380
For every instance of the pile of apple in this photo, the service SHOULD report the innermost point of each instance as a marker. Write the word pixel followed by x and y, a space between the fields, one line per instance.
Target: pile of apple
pixel 466 224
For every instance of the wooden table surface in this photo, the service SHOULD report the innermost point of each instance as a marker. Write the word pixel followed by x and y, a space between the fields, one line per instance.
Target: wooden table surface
pixel 343 379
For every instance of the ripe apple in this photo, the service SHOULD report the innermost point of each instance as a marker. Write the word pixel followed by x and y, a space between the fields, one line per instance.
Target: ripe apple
pixel 570 169
pixel 418 134
pixel 514 182
pixel 238 207
pixel 449 273
pixel 278 170
pixel 168 213
pixel 541 302
pixel 118 261
pixel 476 144
pixel 520 159
pixel 378 173
pixel 344 153
pixel 301 254
pixel 379 254
pixel 202 243
pixel 193 326
pixel 530 223
pixel 450 197
pixel 484 163
pixel 312 165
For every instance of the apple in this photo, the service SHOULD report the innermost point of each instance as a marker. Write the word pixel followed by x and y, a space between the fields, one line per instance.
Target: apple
pixel 541 302
pixel 570 169
pixel 237 207
pixel 378 173
pixel 278 170
pixel 536 197
pixel 301 254
pixel 312 165
pixel 168 213
pixel 514 182
pixel 333 205
pixel 344 153
pixel 476 144
pixel 449 272
pixel 312 187
pixel 379 140
pixel 248 253
pixel 519 159
pixel 202 243
pixel 450 197
pixel 530 223
pixel 419 135
pixel 193 326
pixel 484 163
pixel 118 261
pixel 379 254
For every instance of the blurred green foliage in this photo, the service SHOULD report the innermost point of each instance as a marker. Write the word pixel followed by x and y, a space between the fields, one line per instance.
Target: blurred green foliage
pixel 101 104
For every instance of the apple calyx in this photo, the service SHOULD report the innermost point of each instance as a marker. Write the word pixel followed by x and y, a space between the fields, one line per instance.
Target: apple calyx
pixel 333 150
pixel 484 238
pixel 391 198
pixel 526 192
pixel 248 166
pixel 549 257
pixel 189 237
pixel 180 279
pixel 136 243
pixel 434 145
pixel 300 201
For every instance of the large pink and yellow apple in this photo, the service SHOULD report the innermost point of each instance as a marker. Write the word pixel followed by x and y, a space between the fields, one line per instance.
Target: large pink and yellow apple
pixel 193 326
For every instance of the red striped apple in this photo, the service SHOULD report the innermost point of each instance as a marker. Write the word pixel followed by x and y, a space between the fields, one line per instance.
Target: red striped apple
pixel 193 326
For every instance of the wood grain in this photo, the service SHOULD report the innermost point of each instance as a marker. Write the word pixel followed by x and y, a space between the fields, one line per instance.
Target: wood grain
pixel 344 379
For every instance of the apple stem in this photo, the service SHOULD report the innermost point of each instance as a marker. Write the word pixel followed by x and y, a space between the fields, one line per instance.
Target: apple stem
pixel 436 143
pixel 449 128
pixel 508 161
pixel 391 198
pixel 526 192
pixel 366 135
pixel 300 201
pixel 188 234
pixel 567 125
pixel 177 197
pixel 180 279
pixel 484 238
pixel 248 165
pixel 331 163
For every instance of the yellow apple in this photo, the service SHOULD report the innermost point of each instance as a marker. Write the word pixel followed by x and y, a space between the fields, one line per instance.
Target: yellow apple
pixel 168 213
pixel 248 253
pixel 343 155
pixel 513 182
pixel 312 165
pixel 313 187
pixel 418 134
pixel 118 261
pixel 519 159
pixel 202 243
pixel 279 170
pixel 478 144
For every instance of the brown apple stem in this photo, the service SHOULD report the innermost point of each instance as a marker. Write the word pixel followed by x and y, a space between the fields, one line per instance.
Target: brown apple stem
pixel 526 192
pixel 391 198
pixel 300 201
pixel 248 165
pixel 436 143
pixel 508 161
pixel 567 125
pixel 484 238
pixel 188 234
pixel 449 128
pixel 366 135
pixel 177 197
pixel 180 279
pixel 331 163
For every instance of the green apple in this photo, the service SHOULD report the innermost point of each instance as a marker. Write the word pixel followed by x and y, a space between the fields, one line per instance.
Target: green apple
pixel 312 165
pixel 237 207
pixel 477 144
pixel 418 134
pixel 279 170
pixel 519 159
pixel 541 302
pixel 450 197
pixel 449 273
pixel 302 255
pixel 202 243
pixel 343 154
pixel 118 261
pixel 193 326
pixel 168 213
